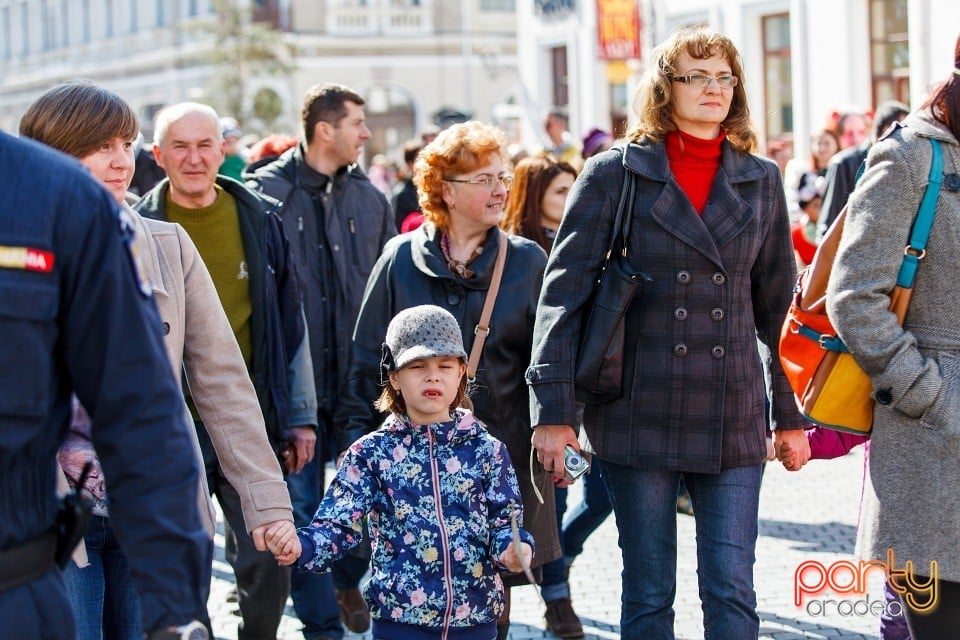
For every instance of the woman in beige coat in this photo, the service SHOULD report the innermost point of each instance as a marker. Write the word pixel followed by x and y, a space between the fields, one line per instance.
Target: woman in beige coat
pixel 911 502
pixel 98 127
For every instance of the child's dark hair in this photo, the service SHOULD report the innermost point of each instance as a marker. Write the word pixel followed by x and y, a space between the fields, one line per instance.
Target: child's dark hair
pixel 390 400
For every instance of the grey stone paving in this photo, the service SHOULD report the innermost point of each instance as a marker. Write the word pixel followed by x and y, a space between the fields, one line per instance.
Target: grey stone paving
pixel 810 515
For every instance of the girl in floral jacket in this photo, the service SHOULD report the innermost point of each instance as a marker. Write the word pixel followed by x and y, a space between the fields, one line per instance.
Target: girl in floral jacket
pixel 440 492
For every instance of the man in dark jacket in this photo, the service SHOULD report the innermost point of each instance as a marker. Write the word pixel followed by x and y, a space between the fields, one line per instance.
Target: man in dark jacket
pixel 242 243
pixel 843 167
pixel 405 201
pixel 338 222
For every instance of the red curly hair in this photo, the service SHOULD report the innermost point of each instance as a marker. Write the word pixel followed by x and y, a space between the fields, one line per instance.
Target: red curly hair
pixel 457 150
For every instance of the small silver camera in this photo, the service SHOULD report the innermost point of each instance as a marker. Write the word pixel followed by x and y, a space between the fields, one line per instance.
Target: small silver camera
pixel 574 463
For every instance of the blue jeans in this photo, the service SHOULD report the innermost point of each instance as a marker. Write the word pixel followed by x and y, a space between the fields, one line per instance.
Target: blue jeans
pixel 587 515
pixel 725 507
pixel 102 596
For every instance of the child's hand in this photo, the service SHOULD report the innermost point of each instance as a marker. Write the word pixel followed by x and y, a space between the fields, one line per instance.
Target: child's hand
pixel 771 450
pixel 282 542
pixel 512 562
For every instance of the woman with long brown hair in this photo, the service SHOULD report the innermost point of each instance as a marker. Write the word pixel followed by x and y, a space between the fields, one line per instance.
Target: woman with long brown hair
pixel 537 198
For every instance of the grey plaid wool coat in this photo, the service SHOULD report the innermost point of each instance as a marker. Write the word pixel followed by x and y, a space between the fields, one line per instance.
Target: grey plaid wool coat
pixel 695 395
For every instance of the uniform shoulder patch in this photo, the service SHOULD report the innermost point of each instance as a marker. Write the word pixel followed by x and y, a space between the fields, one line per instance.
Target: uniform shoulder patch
pixel 26 258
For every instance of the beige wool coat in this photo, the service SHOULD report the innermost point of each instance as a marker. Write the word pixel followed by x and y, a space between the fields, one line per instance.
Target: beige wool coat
pixel 911 501
pixel 201 344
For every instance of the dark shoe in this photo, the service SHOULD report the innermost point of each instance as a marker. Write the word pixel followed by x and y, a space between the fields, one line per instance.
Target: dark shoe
pixel 684 504
pixel 353 610
pixel 562 621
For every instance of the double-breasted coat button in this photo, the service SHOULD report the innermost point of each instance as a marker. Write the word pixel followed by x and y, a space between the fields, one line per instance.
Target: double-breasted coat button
pixel 453 299
pixel 719 279
pixel 679 349
pixel 166 328
pixel 718 352
pixel 716 314
pixel 683 277
pixel 884 396
pixel 680 313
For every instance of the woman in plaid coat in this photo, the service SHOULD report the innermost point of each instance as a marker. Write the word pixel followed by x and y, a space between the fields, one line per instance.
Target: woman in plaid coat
pixel 710 229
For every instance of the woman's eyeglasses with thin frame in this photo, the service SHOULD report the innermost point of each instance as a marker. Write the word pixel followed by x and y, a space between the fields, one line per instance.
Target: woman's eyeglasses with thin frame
pixel 702 81
pixel 487 182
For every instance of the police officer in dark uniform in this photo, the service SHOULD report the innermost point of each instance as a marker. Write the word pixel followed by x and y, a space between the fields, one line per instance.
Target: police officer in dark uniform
pixel 75 316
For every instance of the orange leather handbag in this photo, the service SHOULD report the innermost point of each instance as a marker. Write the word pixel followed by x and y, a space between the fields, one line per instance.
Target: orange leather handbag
pixel 830 388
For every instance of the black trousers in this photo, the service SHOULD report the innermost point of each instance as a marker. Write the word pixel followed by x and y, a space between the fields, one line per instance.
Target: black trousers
pixel 262 585
pixel 943 621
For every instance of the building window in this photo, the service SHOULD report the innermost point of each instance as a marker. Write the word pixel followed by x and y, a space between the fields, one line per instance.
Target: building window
pixel 24 30
pixel 108 18
pixel 498 5
pixel 134 18
pixel 46 26
pixel 5 51
pixel 193 8
pixel 64 23
pixel 561 87
pixel 85 18
pixel 777 80
pixel 889 51
pixel 161 13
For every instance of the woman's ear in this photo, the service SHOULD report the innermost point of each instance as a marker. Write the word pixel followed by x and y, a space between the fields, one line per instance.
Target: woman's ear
pixel 448 195
pixel 393 381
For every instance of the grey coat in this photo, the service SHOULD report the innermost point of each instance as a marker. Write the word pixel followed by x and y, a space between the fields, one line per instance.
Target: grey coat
pixel 696 398
pixel 912 496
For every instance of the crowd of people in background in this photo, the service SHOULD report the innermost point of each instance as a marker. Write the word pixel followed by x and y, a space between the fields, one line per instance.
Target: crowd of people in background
pixel 349 300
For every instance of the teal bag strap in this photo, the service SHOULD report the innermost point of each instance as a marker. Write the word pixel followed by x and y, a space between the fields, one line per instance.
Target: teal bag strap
pixel 916 248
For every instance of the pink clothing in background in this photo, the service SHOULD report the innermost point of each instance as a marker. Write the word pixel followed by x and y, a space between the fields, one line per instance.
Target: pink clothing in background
pixel 826 444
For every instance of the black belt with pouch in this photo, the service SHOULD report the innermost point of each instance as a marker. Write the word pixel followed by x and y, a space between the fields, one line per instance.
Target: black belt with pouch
pixel 32 559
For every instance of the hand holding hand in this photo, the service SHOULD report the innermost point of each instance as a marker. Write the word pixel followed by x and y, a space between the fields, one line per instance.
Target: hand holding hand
pixel 280 538
pixel 771 450
pixel 512 562
pixel 793 448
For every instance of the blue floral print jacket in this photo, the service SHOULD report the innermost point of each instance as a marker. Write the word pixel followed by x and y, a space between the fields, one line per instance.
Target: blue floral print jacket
pixel 440 498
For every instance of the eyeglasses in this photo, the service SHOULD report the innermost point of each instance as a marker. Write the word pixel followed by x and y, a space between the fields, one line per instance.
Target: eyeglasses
pixel 487 182
pixel 701 81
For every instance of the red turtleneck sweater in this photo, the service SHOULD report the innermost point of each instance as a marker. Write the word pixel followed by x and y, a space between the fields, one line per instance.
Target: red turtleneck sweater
pixel 694 162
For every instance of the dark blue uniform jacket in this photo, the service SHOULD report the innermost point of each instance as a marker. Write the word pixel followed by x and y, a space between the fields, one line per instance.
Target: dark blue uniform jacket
pixel 73 318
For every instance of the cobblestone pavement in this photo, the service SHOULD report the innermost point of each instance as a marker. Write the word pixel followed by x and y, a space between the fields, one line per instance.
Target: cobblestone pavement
pixel 810 515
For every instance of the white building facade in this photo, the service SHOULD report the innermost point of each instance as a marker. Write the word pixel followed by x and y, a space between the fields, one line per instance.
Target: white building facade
pixel 803 59
pixel 410 59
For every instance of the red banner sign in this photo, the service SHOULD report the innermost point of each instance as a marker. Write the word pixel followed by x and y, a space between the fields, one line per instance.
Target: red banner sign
pixel 618 29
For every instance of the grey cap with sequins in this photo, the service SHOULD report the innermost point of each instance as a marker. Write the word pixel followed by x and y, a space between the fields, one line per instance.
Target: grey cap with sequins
pixel 425 331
